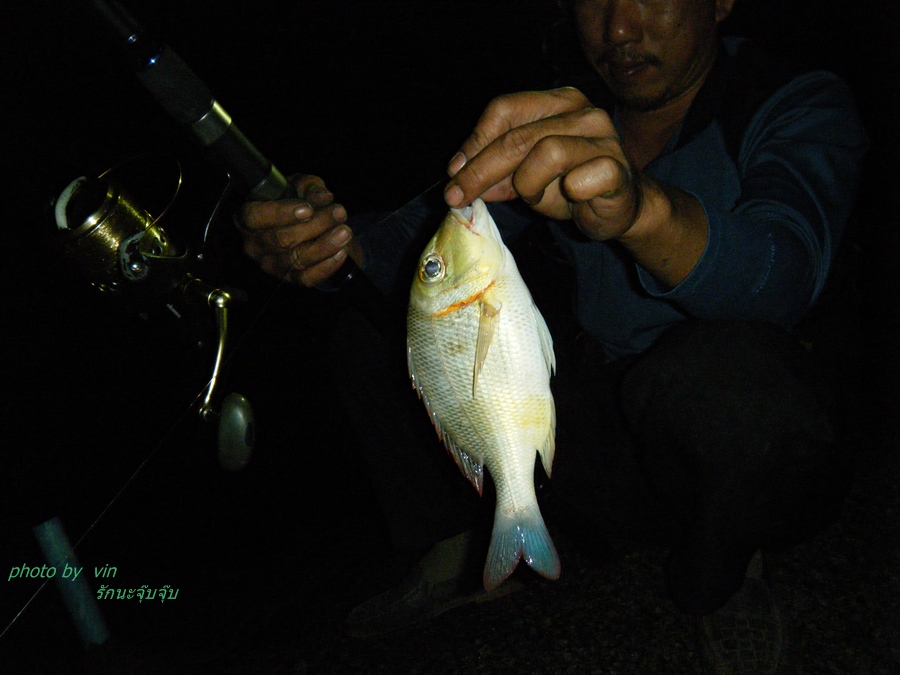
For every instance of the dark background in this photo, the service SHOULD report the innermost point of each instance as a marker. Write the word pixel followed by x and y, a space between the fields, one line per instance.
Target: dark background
pixel 374 97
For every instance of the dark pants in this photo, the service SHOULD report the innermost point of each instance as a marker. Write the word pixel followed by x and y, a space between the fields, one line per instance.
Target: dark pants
pixel 715 443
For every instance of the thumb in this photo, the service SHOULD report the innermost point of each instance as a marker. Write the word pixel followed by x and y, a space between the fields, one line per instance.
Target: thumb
pixel 312 189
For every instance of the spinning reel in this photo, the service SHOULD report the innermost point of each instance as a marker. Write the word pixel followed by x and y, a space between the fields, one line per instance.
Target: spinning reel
pixel 116 230
pixel 119 239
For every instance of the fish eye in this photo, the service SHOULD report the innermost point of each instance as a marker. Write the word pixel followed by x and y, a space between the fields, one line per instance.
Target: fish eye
pixel 432 269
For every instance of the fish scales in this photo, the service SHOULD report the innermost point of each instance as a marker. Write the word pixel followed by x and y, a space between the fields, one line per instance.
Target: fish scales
pixel 480 356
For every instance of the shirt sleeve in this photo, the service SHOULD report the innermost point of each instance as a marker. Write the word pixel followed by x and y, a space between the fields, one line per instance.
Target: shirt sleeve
pixel 391 242
pixel 767 258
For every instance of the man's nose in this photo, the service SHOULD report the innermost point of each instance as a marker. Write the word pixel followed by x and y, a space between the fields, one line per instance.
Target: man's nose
pixel 623 22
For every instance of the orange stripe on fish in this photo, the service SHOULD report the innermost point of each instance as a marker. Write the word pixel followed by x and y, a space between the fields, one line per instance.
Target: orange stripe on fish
pixel 464 302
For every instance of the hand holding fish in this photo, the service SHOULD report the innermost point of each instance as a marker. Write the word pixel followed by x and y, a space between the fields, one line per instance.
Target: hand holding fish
pixel 558 153
pixel 565 159
pixel 303 239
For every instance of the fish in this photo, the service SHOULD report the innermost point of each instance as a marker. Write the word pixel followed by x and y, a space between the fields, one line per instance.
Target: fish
pixel 481 357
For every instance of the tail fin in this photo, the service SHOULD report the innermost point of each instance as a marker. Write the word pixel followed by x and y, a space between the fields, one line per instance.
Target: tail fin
pixel 525 536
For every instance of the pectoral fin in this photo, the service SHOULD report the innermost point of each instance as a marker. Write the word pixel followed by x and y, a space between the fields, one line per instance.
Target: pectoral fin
pixel 487 326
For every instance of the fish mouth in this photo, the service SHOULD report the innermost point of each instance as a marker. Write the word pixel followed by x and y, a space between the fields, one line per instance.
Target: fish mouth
pixel 477 219
pixel 466 217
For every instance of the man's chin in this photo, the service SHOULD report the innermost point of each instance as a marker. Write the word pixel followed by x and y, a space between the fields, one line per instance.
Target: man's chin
pixel 635 95
pixel 640 100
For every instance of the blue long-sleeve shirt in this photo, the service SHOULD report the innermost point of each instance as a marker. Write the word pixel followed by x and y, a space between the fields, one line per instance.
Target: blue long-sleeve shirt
pixel 777 197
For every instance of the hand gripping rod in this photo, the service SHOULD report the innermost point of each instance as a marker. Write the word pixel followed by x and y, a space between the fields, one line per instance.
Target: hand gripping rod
pixel 190 102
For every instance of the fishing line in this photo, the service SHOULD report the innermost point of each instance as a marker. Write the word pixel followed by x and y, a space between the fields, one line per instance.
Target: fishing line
pixel 241 340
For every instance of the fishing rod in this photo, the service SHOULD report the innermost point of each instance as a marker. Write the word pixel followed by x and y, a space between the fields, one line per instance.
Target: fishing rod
pixel 124 247
pixel 192 105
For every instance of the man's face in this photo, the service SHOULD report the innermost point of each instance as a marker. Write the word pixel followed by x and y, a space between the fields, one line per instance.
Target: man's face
pixel 649 52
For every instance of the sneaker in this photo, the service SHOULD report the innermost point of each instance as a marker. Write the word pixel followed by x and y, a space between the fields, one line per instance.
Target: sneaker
pixel 441 581
pixel 746 635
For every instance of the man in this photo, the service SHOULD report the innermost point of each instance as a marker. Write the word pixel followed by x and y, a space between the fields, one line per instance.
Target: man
pixel 700 192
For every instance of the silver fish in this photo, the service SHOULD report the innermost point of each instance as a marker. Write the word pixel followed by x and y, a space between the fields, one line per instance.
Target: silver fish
pixel 480 357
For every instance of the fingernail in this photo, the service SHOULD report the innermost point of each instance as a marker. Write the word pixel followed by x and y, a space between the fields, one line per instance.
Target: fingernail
pixel 303 212
pixel 340 236
pixel 453 195
pixel 339 256
pixel 533 199
pixel 339 213
pixel 458 162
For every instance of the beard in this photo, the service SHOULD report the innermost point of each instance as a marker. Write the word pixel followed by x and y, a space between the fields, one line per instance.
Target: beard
pixel 644 102
pixel 631 90
pixel 614 65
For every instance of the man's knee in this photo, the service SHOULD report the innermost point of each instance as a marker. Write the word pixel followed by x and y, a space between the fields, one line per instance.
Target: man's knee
pixel 706 384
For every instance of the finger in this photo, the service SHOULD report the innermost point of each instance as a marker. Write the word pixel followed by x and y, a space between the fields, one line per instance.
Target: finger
pixel 492 167
pixel 513 110
pixel 295 262
pixel 606 197
pixel 282 239
pixel 315 251
pixel 500 158
pixel 606 176
pixel 315 275
pixel 313 189
pixel 501 192
pixel 553 157
pixel 262 216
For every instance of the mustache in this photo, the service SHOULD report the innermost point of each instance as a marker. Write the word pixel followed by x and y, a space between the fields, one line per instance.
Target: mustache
pixel 623 55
